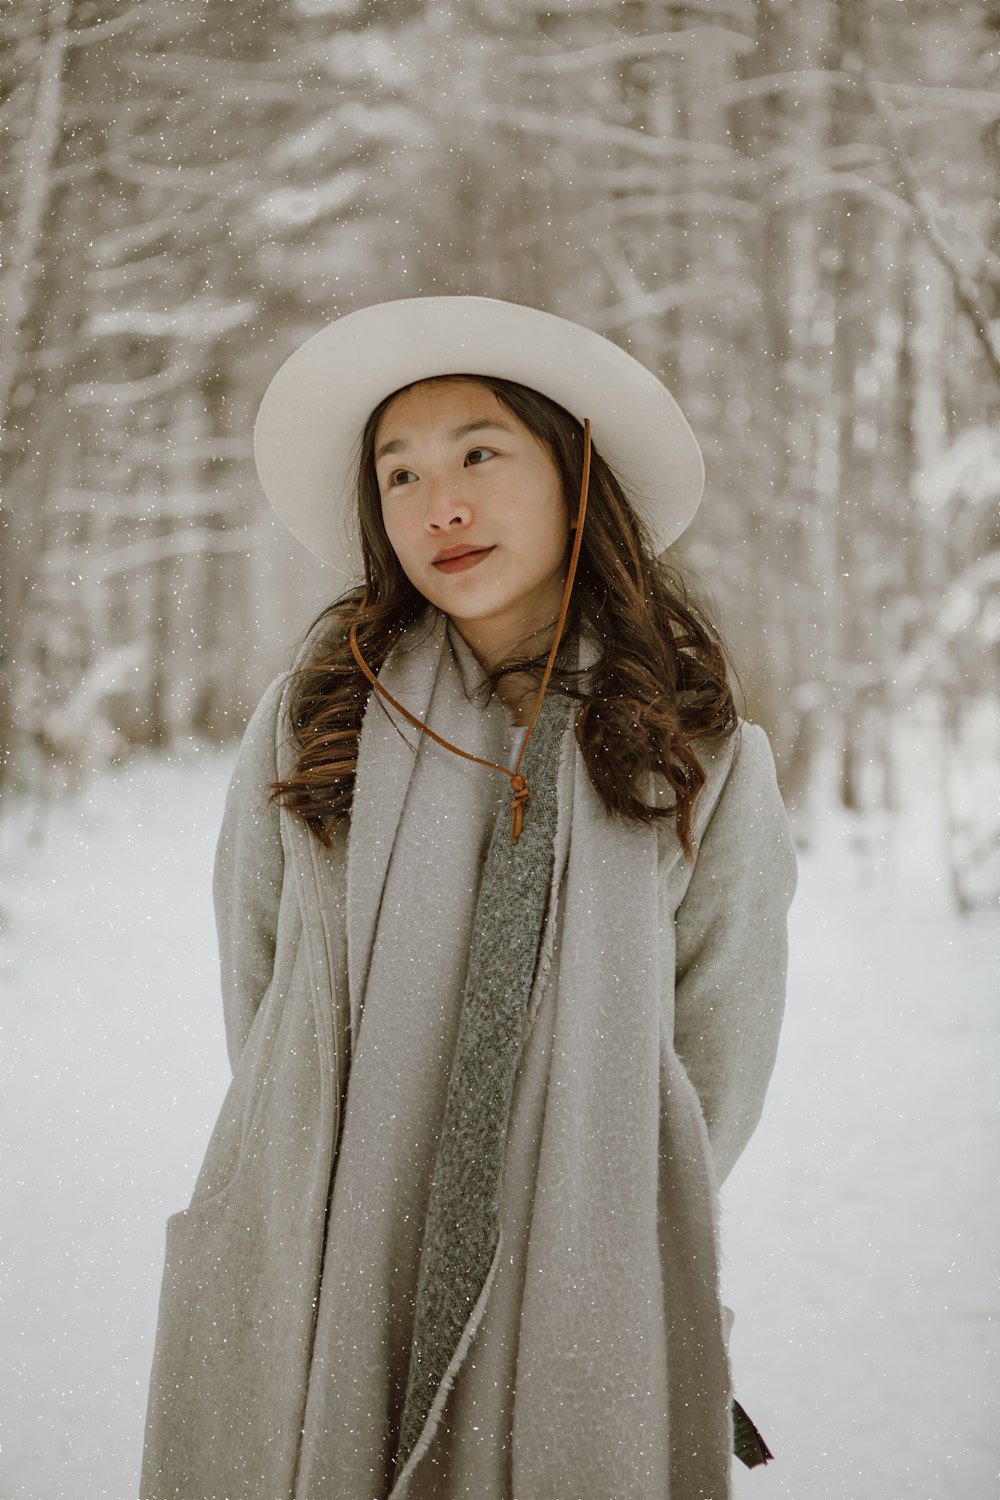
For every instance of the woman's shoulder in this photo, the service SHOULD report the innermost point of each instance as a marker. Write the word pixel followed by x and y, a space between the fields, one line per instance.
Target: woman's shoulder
pixel 747 750
pixel 739 768
pixel 257 758
pixel 745 821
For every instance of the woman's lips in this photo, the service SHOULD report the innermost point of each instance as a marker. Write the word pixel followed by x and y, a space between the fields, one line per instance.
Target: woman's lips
pixel 467 560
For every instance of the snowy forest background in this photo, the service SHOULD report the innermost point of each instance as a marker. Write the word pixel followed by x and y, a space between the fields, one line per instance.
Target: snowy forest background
pixel 789 209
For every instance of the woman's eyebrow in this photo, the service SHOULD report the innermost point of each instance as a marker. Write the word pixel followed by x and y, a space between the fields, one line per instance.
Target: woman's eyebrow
pixel 399 445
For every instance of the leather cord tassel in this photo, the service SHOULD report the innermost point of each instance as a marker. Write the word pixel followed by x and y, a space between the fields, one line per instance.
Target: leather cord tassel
pixel 521 795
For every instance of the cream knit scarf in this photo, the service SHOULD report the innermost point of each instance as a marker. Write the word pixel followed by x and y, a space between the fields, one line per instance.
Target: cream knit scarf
pixel 622 1363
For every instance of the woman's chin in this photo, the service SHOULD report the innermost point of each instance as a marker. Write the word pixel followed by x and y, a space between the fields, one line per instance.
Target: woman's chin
pixel 463 595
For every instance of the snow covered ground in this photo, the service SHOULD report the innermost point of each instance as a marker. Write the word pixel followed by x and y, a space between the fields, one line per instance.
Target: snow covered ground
pixel 861 1226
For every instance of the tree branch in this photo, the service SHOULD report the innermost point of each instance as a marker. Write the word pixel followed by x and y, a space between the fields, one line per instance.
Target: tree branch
pixel 629 48
pixel 600 132
pixel 100 32
pixel 967 293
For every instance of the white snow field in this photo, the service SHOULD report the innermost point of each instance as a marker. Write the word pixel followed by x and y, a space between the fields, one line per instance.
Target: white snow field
pixel 860 1227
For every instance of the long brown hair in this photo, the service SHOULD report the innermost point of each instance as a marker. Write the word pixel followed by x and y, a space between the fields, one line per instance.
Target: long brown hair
pixel 660 684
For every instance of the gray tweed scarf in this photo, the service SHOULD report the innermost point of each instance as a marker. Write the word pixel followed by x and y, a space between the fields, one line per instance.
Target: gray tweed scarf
pixel 463 1215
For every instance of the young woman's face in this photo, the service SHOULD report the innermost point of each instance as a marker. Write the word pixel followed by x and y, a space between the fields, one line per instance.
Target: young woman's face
pixel 459 474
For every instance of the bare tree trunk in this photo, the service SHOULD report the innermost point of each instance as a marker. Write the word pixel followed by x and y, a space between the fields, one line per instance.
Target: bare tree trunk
pixel 20 528
pixel 796 332
pixel 20 284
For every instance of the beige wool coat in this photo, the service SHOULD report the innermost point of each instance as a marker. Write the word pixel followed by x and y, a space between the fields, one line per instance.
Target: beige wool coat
pixel 240 1288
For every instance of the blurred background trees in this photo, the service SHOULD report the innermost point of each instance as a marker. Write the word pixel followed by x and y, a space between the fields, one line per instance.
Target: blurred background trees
pixel 788 208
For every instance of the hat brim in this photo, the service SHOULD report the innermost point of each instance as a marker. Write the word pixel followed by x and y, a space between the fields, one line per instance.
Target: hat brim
pixel 308 429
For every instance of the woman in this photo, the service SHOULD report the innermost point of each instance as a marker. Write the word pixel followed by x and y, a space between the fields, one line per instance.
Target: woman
pixel 501 890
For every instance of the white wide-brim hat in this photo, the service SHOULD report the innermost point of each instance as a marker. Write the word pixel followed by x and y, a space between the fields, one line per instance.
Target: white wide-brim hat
pixel 309 426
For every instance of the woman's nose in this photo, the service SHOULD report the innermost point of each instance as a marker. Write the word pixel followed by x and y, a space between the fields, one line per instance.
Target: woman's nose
pixel 446 506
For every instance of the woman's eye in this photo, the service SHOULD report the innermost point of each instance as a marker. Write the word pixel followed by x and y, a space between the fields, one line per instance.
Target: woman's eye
pixel 398 475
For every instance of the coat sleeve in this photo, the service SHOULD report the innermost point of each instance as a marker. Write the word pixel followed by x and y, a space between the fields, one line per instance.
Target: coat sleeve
pixel 732 950
pixel 249 867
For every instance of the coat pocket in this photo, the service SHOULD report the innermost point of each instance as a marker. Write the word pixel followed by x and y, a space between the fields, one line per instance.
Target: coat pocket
pixel 231 1361
pixel 237 1305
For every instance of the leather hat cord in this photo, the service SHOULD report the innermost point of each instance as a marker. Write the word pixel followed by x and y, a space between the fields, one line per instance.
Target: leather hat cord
pixel 519 786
